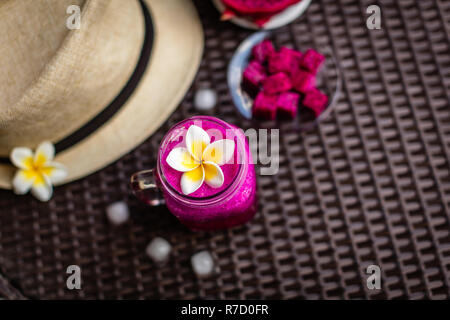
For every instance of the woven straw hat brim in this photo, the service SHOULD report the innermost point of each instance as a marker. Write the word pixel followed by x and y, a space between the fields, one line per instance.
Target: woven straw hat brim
pixel 175 58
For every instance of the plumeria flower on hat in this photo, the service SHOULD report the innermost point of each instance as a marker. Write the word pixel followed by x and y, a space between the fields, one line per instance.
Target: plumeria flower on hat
pixel 37 171
pixel 200 161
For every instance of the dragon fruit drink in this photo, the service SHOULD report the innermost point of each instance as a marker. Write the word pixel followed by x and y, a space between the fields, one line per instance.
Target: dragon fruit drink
pixel 206 175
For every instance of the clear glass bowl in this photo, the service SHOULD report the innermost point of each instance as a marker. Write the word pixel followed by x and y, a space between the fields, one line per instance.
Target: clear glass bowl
pixel 328 81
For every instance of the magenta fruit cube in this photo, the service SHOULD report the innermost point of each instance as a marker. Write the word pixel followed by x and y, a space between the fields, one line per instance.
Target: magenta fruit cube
pixel 316 101
pixel 262 51
pixel 312 60
pixel 303 81
pixel 277 83
pixel 287 104
pixel 265 106
pixel 295 58
pixel 253 76
pixel 282 61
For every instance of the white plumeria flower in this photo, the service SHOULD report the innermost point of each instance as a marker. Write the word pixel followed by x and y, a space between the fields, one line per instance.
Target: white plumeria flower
pixel 200 161
pixel 37 171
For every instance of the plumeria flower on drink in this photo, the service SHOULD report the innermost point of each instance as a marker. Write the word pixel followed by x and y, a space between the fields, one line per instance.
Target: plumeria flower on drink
pixel 200 161
pixel 37 171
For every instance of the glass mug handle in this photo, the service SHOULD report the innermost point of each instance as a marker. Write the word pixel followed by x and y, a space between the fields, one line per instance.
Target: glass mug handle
pixel 143 184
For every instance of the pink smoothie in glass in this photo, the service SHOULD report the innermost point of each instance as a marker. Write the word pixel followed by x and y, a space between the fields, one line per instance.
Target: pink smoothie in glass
pixel 208 208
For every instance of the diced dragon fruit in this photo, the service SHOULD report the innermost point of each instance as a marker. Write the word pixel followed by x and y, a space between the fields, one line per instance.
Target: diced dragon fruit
pixel 287 104
pixel 312 60
pixel 262 51
pixel 316 101
pixel 303 81
pixel 277 83
pixel 295 58
pixel 265 106
pixel 295 64
pixel 281 61
pixel 253 76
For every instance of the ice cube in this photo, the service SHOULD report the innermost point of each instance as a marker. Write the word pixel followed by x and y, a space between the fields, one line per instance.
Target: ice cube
pixel 118 212
pixel 159 250
pixel 205 99
pixel 202 263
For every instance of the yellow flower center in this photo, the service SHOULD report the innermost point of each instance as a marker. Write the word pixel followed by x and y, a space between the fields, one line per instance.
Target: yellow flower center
pixel 37 169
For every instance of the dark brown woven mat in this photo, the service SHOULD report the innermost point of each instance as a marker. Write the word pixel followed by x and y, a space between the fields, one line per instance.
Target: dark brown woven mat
pixel 371 185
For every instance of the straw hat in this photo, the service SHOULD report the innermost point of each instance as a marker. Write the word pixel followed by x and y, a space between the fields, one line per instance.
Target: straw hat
pixel 98 91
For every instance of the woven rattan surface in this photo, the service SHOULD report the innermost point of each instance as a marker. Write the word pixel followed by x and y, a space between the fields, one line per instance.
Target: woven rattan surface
pixel 370 185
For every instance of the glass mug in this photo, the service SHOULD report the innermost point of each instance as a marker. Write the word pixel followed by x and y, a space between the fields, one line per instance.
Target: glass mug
pixel 232 204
